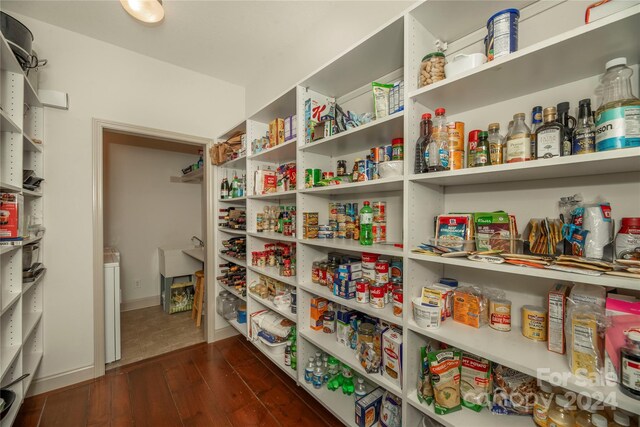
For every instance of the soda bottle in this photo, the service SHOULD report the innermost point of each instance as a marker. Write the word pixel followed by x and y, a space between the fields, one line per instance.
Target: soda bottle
pixel 347 380
pixel 308 371
pixel 294 350
pixel 361 389
pixel 366 224
pixel 335 376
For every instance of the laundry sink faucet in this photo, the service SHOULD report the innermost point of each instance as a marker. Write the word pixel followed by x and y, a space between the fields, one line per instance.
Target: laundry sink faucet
pixel 200 242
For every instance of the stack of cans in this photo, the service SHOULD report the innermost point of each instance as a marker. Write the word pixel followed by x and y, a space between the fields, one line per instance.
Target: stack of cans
pixel 379 222
pixel 342 219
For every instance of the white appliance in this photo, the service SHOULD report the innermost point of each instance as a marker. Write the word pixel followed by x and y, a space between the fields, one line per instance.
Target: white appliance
pixel 112 304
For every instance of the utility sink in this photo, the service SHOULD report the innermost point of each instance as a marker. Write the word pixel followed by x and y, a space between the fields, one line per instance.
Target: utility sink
pixel 175 261
pixel 197 253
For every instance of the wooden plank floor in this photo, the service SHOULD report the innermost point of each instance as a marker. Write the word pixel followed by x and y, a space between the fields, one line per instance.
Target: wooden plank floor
pixel 227 383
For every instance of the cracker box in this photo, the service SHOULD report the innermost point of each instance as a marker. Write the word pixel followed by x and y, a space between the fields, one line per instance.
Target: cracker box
pixel 318 307
pixel 368 408
pixel 392 356
pixel 557 306
pixel 11 210
pixel 344 276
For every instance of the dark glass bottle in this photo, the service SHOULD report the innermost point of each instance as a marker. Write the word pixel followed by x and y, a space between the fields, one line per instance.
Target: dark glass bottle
pixel 536 122
pixel 421 144
pixel 569 124
pixel 549 136
pixel 584 136
pixel 482 155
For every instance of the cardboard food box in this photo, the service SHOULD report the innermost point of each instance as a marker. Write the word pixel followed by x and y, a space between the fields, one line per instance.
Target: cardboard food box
pixel 316 108
pixel 557 306
pixel 344 332
pixel 368 408
pixel 310 232
pixel 318 307
pixel 310 218
pixel 392 356
pixel 11 211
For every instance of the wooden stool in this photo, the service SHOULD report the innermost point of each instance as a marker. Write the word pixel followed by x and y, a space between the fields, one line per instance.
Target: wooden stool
pixel 198 297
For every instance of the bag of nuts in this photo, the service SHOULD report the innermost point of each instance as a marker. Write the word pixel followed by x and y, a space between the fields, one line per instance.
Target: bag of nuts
pixel 431 69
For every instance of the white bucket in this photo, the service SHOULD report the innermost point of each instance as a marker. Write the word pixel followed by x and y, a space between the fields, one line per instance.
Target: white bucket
pixel 425 316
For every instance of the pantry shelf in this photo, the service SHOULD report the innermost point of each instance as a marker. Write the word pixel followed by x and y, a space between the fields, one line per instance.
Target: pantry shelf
pixel 272 236
pixel 233 260
pixel 27 285
pixel 384 314
pixel 6 124
pixel 236 163
pixel 377 185
pixel 607 162
pixel 29 322
pixel 534 68
pixel 328 343
pixel 237 200
pixel 31 193
pixel 271 306
pixel 232 291
pixel 273 272
pixel 9 299
pixel 31 366
pixel 8 61
pixel 30 145
pixel 232 231
pixel 193 177
pixel 542 273
pixel 282 153
pixel 339 404
pixel 7 249
pixel 362 138
pixel 520 353
pixel 278 359
pixel 30 94
pixel 354 246
pixel 283 195
pixel 9 355
pixel 242 328
pixel 10 188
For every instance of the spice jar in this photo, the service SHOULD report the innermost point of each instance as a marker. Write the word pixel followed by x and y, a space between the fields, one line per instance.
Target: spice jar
pixel 262 259
pixel 630 364
pixel 315 272
pixel 431 69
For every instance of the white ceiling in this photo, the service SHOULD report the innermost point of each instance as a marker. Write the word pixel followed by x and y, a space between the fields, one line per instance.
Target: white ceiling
pixel 235 41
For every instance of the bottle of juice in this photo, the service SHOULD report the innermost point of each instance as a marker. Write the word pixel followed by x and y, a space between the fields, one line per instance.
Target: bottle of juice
pixel 366 225
pixel 618 118
pixel 561 415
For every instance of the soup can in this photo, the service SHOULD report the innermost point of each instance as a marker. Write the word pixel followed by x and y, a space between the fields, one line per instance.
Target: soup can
pixel 397 302
pixel 329 322
pixel 369 260
pixel 500 314
pixel 377 292
pixel 379 230
pixel 379 211
pixel 382 271
pixel 362 291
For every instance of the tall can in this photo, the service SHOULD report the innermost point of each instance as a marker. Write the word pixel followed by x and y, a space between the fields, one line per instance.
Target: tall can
pixel 362 291
pixel 502 29
pixel 308 178
pixel 375 155
pixel 379 211
pixel 371 168
pixel 382 271
pixel 377 293
pixel 456 160
pixel 455 132
pixel 379 232
pixel 362 170
pixel 333 211
pixel 317 176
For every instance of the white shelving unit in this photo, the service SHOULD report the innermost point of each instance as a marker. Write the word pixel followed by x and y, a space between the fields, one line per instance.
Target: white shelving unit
pixel 552 37
pixel 21 303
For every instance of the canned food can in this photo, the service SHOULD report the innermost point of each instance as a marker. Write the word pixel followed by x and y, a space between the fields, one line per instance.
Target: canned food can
pixel 382 271
pixel 502 33
pixel 362 291
pixel 398 297
pixel 456 160
pixel 500 314
pixel 327 175
pixel 341 212
pixel 375 154
pixel 388 297
pixel 376 294
pixel 333 212
pixel 362 170
pixel 397 151
pixel 388 153
pixel 379 211
pixel 317 176
pixel 369 260
pixel 308 178
pixel 534 322
pixel 455 132
pixel 294 301
pixel 370 169
pixel 379 232
pixel 315 272
pixel 396 270
pixel 329 322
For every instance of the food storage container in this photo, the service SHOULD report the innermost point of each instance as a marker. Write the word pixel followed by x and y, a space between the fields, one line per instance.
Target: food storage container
pixel 427 317
pixel 392 168
pixel 462 63
pixel 431 69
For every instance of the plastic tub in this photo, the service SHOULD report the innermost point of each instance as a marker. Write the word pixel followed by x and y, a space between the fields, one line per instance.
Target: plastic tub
pixel 391 169
pixel 502 37
pixel 462 63
pixel 427 317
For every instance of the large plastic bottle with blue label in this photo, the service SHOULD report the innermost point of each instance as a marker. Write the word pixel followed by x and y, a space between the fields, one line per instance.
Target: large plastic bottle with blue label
pixel 618 118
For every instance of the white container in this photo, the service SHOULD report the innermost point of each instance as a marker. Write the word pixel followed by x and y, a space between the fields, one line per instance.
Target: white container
pixel 462 63
pixel 273 349
pixel 391 169
pixel 427 317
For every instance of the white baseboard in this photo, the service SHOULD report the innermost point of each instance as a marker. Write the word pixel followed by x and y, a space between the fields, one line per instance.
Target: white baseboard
pixel 56 381
pixel 136 304
pixel 224 333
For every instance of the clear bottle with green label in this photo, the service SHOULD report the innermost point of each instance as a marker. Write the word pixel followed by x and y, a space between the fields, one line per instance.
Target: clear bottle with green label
pixel 366 225
pixel 618 118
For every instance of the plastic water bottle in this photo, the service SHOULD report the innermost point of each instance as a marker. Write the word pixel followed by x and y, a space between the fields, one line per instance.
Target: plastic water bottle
pixel 361 389
pixel 366 225
pixel 318 375
pixel 308 371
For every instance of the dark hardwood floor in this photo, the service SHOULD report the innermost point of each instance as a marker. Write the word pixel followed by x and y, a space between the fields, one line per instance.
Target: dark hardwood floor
pixel 227 383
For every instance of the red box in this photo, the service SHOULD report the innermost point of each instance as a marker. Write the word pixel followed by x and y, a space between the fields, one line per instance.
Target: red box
pixel 11 208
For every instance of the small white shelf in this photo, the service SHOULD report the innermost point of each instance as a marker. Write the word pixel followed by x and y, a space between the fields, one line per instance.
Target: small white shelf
pixel 237 163
pixel 30 145
pixel 354 245
pixel 242 328
pixel 466 417
pixel 616 161
pixel 322 291
pixel 8 61
pixel 9 299
pixel 286 312
pixel 34 360
pixel 30 94
pixel 31 193
pixel 282 153
pixel 10 188
pixel 194 177
pixel 374 186
pixel 336 402
pixel 9 355
pixel 7 249
pixel 29 322
pixel 328 343
pixel 376 133
pixel 238 200
pixel 274 273
pixel 196 253
pixel 272 236
pixel 279 361
pixel 232 291
pixel 283 195
pixel 6 124
pixel 542 273
pixel 233 260
pixel 31 240
pixel 517 352
pixel 232 231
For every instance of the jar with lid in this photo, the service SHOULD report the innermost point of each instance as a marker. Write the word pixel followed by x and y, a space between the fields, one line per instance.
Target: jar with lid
pixel 220 301
pixel 366 331
pixel 431 69
pixel 562 414
pixel 331 270
pixel 620 419
pixel 584 417
pixel 598 420
pixel 519 140
pixel 315 272
pixel 229 308
pixel 542 404
pixel 341 170
pixel 630 364
pixel 628 238
pixel 496 144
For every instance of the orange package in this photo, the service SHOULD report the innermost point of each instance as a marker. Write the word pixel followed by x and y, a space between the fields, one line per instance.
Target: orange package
pixel 470 307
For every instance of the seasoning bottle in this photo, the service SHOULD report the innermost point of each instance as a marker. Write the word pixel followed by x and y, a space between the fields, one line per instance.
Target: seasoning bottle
pixel 439 144
pixel 542 404
pixel 519 140
pixel 630 364
pixel 549 136
pixel 620 420
pixel 569 124
pixel 422 155
pixel 482 154
pixel 536 122
pixel 472 144
pixel 341 170
pixel 287 355
pixel 561 415
pixel 584 137
pixel 496 144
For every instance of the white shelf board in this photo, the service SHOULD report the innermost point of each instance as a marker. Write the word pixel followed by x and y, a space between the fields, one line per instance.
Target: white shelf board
pixel 29 322
pixel 7 249
pixel 282 106
pixel 31 193
pixel 286 312
pixel 27 285
pixel 232 291
pixel 374 186
pixel 9 355
pixel 322 291
pixel 242 328
pixel 277 360
pixel 9 299
pixel 466 417
pixel 534 68
pixel 328 343
pixel 10 188
pixel 272 236
pixel 376 133
pixel 194 176
pixel 233 260
pixel 237 163
pixel 30 95
pixel 34 362
pixel 6 124
pixel 273 272
pixel 283 153
pixel 336 402
pixel 8 61
pixel 31 240
pixel 283 195
pixel 517 352
pixel 607 162
pixel 354 245
pixel 29 145
pixel 232 231
pixel 543 273
pixel 238 127
pixel 236 200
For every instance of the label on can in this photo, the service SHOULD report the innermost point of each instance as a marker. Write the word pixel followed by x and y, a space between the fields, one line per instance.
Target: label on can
pixel 379 211
pixel 362 291
pixel 308 178
pixel 388 153
pixel 500 315
pixel 377 292
pixel 369 260
pixel 382 271
pixel 455 132
pixel 362 170
pixel 379 231
pixel 456 159
pixel 397 302
pixel 317 176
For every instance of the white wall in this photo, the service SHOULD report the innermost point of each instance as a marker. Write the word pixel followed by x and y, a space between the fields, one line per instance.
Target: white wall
pixel 143 210
pixel 105 82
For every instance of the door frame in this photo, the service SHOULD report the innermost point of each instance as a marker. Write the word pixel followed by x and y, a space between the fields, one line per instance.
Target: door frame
pixel 99 127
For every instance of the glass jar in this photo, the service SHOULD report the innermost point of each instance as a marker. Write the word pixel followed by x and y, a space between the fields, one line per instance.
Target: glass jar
pixel 259 222
pixel 262 259
pixel 366 331
pixel 322 277
pixel 431 69
pixel 561 415
pixel 315 272
pixel 629 364
pixel 542 403
pixel 219 302
pixel 271 258
pixel 230 308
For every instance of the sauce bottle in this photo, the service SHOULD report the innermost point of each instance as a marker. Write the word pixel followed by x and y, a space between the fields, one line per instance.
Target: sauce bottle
pixel 496 144
pixel 549 136
pixel 584 136
pixel 519 141
pixel 482 155
pixel 569 124
pixel 561 415
pixel 584 417
pixel 422 156
pixel 542 404
pixel 536 122
pixel 630 365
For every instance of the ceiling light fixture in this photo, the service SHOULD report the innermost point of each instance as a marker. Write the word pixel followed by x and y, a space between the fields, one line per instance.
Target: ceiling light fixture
pixel 149 11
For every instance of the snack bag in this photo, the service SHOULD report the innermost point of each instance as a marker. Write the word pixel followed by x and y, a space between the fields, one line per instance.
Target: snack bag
pixel 475 382
pixel 514 393
pixel 493 231
pixel 444 366
pixel 425 389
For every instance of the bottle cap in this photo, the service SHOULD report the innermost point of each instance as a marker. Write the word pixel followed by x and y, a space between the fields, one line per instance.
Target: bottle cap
pixel 584 102
pixel 473 135
pixel 366 203
pixel 563 107
pixel 622 419
pixel 426 116
pixel 615 62
pixel 537 109
pixel 518 116
pixel 599 421
pixel 484 134
pixel 440 111
pixel 494 126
